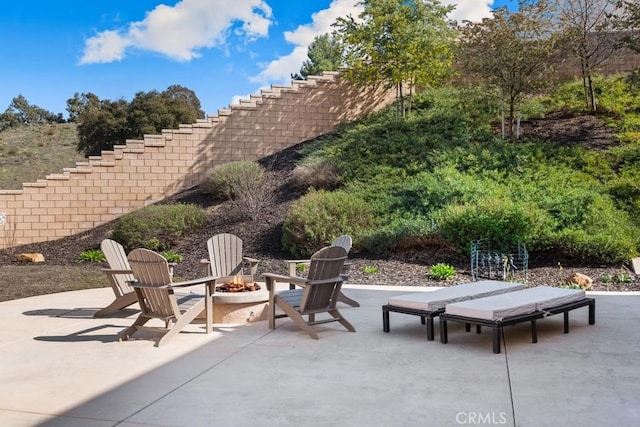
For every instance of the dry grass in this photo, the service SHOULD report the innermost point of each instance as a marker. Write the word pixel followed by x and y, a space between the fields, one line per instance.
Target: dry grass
pixel 23 281
pixel 29 153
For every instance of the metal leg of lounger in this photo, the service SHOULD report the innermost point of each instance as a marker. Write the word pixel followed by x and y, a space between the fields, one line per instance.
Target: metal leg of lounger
pixel 422 320
pixel 566 322
pixel 385 320
pixel 443 331
pixel 478 329
pixel 467 327
pixel 497 335
pixel 534 331
pixel 430 333
pixel 592 312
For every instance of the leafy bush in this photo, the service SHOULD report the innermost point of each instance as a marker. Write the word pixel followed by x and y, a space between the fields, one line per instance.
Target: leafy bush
pixel 502 221
pixel 172 256
pixel 398 233
pixel 320 216
pixel 442 271
pixel 244 182
pixel 157 227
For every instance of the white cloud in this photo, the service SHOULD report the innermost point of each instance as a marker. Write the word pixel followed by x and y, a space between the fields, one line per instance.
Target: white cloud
pixel 469 10
pixel 280 69
pixel 180 31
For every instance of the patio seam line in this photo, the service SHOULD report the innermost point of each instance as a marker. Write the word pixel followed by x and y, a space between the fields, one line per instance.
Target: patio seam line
pixel 506 360
pixel 240 349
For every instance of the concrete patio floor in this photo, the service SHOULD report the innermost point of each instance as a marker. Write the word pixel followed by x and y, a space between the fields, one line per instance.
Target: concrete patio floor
pixel 62 367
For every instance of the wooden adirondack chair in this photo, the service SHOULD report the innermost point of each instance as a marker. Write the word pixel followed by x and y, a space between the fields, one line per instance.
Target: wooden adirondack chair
pixel 226 259
pixel 155 293
pixel 344 241
pixel 319 293
pixel 119 274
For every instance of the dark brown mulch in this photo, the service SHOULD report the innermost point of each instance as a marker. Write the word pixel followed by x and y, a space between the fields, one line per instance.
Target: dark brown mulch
pixel 409 267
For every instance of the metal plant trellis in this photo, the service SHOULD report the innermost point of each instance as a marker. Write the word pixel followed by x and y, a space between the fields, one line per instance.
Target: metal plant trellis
pixel 498 264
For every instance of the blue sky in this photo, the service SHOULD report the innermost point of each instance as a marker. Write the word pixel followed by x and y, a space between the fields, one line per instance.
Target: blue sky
pixel 221 49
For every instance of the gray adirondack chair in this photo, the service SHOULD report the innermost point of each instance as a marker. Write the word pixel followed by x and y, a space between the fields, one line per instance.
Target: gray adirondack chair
pixel 344 241
pixel 155 293
pixel 119 274
pixel 226 259
pixel 318 293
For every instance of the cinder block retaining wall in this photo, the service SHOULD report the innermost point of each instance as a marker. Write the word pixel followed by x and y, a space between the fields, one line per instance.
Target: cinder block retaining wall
pixel 142 172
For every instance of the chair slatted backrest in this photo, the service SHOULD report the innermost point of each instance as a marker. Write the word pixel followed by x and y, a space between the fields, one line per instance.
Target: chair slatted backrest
pixel 344 241
pixel 225 255
pixel 151 270
pixel 322 292
pixel 116 257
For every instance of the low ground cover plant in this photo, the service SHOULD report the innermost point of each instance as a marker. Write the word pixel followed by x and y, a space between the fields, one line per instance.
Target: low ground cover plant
pixel 157 227
pixel 442 173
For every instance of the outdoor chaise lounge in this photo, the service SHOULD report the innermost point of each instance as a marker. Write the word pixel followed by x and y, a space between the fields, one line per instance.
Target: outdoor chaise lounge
pixel 428 305
pixel 511 308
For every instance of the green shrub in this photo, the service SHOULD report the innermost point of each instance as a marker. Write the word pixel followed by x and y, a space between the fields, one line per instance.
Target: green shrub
pixel 92 255
pixel 400 233
pixel 442 271
pixel 369 269
pixel 157 227
pixel 172 256
pixel 502 221
pixel 318 217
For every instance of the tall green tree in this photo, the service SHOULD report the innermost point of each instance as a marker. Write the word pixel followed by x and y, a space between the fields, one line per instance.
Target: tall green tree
pixel 512 50
pixel 101 125
pixel 403 43
pixel 586 26
pixel 325 54
pixel 104 123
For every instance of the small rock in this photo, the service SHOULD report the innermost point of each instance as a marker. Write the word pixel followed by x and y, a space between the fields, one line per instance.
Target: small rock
pixel 580 279
pixel 31 257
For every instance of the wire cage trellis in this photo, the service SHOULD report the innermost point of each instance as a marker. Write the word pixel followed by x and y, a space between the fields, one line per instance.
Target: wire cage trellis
pixel 509 264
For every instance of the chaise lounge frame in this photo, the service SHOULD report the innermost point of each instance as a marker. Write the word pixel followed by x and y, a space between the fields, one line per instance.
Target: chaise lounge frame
pixel 497 324
pixel 427 316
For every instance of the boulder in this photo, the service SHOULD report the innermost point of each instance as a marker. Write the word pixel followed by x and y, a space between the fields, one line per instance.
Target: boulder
pixel 31 257
pixel 580 279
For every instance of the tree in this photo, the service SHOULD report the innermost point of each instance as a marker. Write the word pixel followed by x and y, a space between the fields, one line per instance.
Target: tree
pixel 27 114
pixel 398 42
pixel 325 54
pixel 511 50
pixel 627 19
pixel 586 24
pixel 103 123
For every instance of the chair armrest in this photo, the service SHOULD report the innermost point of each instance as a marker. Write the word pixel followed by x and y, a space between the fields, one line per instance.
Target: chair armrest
pixel 112 271
pixel 251 260
pixel 275 278
pixel 135 284
pixel 291 264
pixel 198 281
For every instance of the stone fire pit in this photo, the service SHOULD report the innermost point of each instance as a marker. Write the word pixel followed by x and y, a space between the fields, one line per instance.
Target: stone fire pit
pixel 240 302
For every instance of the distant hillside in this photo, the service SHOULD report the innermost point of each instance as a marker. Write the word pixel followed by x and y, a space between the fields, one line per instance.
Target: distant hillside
pixel 29 153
